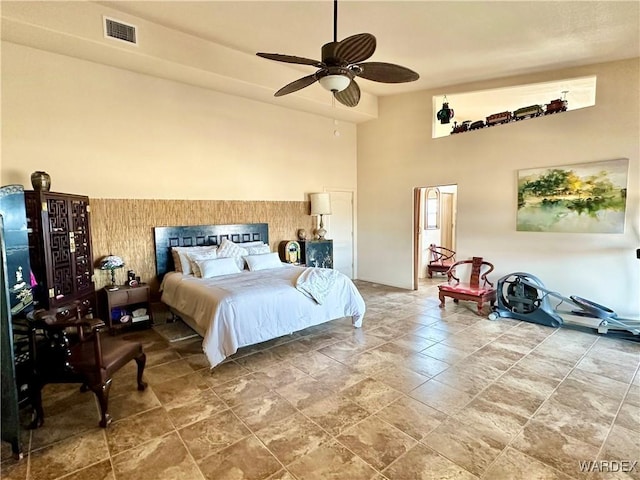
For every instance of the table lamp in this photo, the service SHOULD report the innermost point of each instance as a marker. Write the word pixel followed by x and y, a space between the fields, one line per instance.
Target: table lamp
pixel 320 205
pixel 111 263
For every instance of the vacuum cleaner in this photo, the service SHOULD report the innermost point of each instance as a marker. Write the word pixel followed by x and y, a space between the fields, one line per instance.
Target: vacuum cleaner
pixel 523 296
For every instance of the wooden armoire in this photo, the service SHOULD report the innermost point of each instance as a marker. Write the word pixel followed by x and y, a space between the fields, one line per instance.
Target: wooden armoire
pixel 60 249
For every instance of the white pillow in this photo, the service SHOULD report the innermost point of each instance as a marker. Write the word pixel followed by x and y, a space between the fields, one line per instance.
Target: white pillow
pixel 218 266
pixel 256 243
pixel 258 249
pixel 229 249
pixel 263 261
pixel 194 258
pixel 181 261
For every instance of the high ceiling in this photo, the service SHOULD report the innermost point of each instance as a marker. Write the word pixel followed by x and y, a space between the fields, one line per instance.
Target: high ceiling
pixel 212 44
pixel 447 43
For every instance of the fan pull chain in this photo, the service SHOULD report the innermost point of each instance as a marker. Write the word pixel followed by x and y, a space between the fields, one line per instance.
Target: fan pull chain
pixel 336 132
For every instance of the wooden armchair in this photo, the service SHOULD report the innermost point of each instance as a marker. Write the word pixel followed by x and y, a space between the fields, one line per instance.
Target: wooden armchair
pixel 474 290
pixel 68 349
pixel 441 259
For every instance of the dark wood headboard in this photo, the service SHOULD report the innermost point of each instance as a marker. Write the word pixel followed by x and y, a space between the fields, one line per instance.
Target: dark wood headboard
pixel 198 235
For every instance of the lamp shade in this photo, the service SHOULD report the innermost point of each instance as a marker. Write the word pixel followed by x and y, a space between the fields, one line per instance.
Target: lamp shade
pixel 334 83
pixel 111 262
pixel 320 203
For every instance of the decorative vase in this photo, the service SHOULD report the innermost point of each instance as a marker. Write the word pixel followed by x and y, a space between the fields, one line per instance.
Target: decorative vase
pixel 302 234
pixel 41 181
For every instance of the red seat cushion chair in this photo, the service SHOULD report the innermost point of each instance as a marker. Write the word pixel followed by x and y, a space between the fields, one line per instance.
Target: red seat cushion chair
pixel 479 289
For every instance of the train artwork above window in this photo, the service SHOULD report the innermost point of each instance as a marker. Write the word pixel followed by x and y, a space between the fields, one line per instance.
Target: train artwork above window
pixel 488 108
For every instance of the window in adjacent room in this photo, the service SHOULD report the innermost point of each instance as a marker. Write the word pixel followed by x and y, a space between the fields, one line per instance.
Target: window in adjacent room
pixel 432 209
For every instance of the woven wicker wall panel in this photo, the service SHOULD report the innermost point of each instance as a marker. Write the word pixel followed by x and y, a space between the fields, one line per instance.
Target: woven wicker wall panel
pixel 125 227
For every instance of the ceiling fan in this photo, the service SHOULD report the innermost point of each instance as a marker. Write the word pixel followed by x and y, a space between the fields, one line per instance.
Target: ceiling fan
pixel 341 63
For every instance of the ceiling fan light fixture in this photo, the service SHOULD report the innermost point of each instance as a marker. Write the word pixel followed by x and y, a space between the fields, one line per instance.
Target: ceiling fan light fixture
pixel 335 83
pixel 341 63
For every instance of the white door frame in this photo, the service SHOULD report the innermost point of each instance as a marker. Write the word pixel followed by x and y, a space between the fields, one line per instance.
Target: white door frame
pixel 418 214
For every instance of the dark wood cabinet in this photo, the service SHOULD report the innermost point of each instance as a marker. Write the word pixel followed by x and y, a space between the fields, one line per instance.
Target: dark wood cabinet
pixel 59 228
pixel 317 253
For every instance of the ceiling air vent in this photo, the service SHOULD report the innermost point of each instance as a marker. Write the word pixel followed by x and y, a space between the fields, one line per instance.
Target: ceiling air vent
pixel 120 31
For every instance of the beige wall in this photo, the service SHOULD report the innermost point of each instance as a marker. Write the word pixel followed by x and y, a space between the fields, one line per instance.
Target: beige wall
pixel 110 133
pixel 151 152
pixel 396 153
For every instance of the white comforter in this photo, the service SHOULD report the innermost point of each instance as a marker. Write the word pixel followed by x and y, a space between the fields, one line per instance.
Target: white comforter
pixel 236 310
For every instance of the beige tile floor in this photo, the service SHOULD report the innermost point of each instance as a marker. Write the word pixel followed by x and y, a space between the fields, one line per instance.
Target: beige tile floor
pixel 417 393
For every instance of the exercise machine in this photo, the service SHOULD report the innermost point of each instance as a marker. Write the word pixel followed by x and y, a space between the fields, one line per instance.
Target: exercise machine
pixel 523 296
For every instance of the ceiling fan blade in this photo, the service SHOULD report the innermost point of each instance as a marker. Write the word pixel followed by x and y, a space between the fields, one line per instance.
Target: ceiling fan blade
pixel 290 59
pixel 350 96
pixel 356 48
pixel 386 72
pixel 295 86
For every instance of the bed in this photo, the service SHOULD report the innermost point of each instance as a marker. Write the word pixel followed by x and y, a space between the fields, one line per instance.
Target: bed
pixel 244 307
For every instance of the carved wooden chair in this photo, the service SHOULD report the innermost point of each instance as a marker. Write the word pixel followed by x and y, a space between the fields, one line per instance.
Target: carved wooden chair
pixel 66 348
pixel 440 259
pixel 479 289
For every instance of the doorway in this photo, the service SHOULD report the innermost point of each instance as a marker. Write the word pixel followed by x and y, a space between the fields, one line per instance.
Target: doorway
pixel 435 209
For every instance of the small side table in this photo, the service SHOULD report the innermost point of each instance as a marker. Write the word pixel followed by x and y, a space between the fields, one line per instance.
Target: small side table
pixel 127 307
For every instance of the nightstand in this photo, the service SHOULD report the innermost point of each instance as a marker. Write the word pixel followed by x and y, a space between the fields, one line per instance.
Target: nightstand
pixel 316 253
pixel 126 307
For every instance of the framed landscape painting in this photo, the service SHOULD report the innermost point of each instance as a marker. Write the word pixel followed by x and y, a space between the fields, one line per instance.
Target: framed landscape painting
pixel 581 198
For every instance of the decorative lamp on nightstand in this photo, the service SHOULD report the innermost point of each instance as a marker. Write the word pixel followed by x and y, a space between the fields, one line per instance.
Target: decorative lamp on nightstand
pixel 111 262
pixel 320 205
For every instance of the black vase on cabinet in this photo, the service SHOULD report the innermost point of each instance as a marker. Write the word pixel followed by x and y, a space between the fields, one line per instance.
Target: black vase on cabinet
pixel 41 181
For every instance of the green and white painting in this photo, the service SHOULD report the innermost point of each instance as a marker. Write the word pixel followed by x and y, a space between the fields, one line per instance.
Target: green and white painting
pixel 583 198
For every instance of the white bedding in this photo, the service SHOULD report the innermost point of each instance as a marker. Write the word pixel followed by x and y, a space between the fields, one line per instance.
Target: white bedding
pixel 237 310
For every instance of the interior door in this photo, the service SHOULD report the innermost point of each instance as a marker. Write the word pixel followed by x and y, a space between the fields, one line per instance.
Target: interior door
pixel 446 219
pixel 340 228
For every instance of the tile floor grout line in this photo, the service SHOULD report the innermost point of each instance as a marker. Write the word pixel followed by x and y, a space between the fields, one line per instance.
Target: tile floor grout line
pixel 545 400
pixel 613 421
pixel 335 437
pixel 476 397
pixel 502 375
pixel 332 437
pixel 197 465
pixel 28 469
pixel 251 430
pixel 68 474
